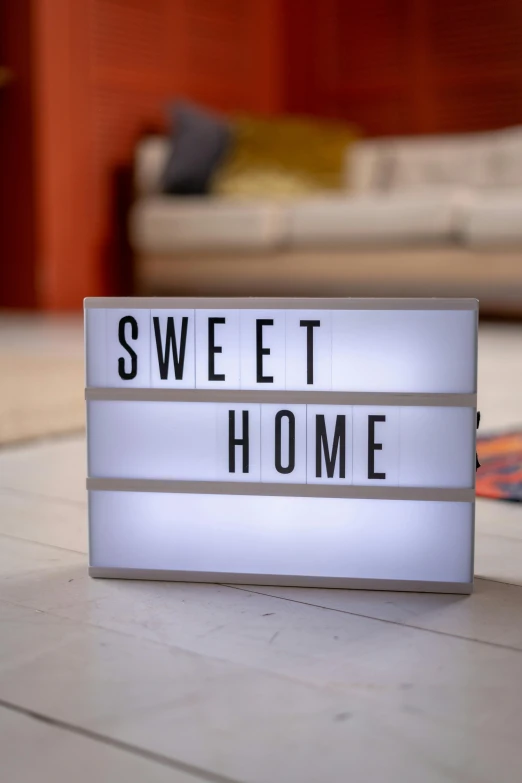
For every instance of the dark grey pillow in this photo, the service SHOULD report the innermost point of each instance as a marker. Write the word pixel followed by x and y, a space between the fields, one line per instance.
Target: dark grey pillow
pixel 199 141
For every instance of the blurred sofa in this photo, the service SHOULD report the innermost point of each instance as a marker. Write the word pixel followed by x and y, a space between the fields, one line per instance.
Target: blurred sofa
pixel 423 216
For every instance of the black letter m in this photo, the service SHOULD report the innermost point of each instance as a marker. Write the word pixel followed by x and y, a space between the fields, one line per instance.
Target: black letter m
pixel 321 445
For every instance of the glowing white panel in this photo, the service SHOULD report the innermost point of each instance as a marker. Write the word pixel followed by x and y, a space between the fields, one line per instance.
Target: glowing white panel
pixel 217 349
pixel 128 348
pixel 263 349
pixel 309 350
pixel 403 351
pixel 329 444
pixel 315 537
pixel 437 447
pixel 375 446
pixel 276 347
pixel 241 425
pixel 283 443
pixel 95 347
pixel 173 350
pixel 155 440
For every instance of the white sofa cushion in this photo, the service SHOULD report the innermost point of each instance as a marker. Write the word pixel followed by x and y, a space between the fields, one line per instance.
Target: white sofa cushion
pixel 149 164
pixel 494 218
pixel 367 165
pixel 371 219
pixel 168 224
pixel 503 162
pixel 418 162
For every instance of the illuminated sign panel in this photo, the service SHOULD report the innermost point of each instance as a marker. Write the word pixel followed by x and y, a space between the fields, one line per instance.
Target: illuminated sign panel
pixel 281 441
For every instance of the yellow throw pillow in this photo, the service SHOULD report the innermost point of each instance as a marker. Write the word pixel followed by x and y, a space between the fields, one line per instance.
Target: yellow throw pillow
pixel 283 156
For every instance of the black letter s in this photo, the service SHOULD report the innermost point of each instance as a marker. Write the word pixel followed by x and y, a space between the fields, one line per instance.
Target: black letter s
pixel 128 376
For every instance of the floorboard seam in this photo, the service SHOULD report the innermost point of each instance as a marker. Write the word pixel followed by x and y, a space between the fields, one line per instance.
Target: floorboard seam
pixel 517 539
pixel 497 581
pixel 42 543
pixel 172 647
pixel 496 645
pixel 44 439
pixel 382 620
pixel 158 758
pixel 25 494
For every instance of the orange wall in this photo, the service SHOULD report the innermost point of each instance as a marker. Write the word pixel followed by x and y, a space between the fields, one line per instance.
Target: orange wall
pixel 105 70
pixel 405 66
pixel 17 214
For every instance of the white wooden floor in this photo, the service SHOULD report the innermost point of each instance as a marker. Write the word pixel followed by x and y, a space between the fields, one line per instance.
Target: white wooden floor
pixel 156 682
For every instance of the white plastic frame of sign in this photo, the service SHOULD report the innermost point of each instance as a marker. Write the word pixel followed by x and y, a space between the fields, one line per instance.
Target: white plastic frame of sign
pixel 326 442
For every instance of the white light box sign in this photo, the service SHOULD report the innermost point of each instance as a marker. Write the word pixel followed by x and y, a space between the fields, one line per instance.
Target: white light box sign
pixel 325 442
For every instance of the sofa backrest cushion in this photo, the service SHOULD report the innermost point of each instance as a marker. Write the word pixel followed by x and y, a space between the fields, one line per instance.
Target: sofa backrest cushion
pixel 475 160
pixel 504 161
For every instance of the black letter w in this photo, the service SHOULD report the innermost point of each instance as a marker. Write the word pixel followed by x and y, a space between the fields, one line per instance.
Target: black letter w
pixel 170 345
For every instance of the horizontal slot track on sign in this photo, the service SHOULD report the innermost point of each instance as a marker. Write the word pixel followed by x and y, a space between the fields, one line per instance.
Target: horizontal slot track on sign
pixel 280 580
pixel 284 397
pixel 444 494
pixel 271 303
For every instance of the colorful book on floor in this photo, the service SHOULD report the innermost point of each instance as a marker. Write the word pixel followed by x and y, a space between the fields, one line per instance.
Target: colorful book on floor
pixel 500 472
